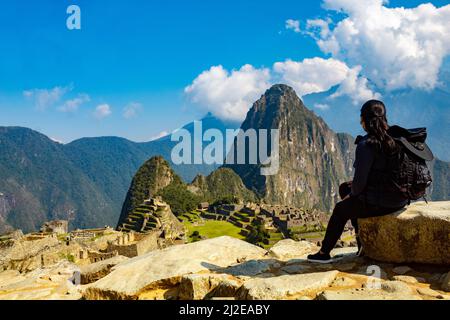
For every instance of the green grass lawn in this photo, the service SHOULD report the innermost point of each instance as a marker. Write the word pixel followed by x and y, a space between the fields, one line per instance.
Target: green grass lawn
pixel 276 236
pixel 311 235
pixel 214 229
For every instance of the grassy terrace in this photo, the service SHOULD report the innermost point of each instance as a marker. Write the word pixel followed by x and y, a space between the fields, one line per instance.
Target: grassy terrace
pixel 274 237
pixel 209 228
pixel 214 229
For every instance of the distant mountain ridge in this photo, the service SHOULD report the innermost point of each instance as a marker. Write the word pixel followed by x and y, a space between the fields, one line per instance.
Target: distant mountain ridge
pixel 84 181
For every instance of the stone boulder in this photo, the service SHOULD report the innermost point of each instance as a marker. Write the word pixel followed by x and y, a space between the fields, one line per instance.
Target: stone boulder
pixel 285 287
pixel 95 271
pixel 418 234
pixel 391 290
pixel 55 283
pixel 200 286
pixel 289 249
pixel 167 266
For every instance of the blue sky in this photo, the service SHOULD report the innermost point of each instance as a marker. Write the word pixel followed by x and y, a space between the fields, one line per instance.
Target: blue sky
pixel 139 55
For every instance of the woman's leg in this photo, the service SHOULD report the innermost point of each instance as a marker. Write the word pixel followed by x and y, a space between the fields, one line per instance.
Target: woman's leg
pixel 344 190
pixel 349 209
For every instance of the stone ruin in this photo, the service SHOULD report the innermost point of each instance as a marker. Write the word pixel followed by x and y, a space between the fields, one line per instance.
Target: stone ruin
pixel 275 217
pixel 14 235
pixel 153 216
pixel 57 226
pixel 89 233
pixel 286 217
pixel 132 244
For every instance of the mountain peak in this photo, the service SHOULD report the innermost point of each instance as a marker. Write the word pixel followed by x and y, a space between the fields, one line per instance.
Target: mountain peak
pixel 279 100
pixel 280 89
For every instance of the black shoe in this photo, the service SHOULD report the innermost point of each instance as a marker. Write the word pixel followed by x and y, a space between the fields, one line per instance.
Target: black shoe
pixel 320 258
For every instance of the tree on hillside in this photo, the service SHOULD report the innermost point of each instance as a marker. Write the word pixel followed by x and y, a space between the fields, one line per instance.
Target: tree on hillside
pixel 180 199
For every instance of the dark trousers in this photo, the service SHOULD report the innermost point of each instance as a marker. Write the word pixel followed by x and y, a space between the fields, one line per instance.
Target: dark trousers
pixel 344 190
pixel 349 209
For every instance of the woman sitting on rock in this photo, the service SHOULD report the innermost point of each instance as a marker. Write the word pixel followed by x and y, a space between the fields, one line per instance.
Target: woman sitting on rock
pixel 366 196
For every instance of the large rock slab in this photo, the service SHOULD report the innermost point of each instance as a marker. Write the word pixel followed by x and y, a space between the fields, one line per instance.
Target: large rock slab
pixel 392 290
pixel 200 286
pixel 95 271
pixel 53 283
pixel 290 249
pixel 418 234
pixel 252 268
pixel 285 287
pixel 157 268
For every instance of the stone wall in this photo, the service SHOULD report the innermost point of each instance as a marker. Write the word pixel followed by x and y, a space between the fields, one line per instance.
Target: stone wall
pixel 57 226
pixel 25 255
pixel 100 256
pixel 132 245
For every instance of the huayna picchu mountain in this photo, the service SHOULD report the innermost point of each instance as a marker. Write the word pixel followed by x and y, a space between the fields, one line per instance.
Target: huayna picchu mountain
pixel 313 159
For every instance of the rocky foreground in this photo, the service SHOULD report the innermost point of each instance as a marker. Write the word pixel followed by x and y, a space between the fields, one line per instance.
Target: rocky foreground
pixel 228 268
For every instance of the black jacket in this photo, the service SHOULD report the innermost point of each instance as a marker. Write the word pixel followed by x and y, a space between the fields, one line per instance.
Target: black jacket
pixel 365 186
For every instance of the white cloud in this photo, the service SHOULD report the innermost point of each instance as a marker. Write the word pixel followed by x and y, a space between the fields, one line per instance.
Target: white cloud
pixel 319 75
pixel 131 110
pixel 293 25
pixel 397 47
pixel 356 87
pixel 44 98
pixel 102 111
pixel 72 105
pixel 319 26
pixel 159 135
pixel 56 140
pixel 321 106
pixel 353 6
pixel 229 95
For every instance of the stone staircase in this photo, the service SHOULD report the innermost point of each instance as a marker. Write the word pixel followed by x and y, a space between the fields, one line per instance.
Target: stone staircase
pixel 142 219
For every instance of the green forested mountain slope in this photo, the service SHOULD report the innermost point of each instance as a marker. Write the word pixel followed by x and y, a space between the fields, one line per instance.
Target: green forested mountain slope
pixel 44 183
pixel 85 181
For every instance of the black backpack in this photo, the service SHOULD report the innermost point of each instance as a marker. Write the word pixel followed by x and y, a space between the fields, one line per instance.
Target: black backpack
pixel 407 170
